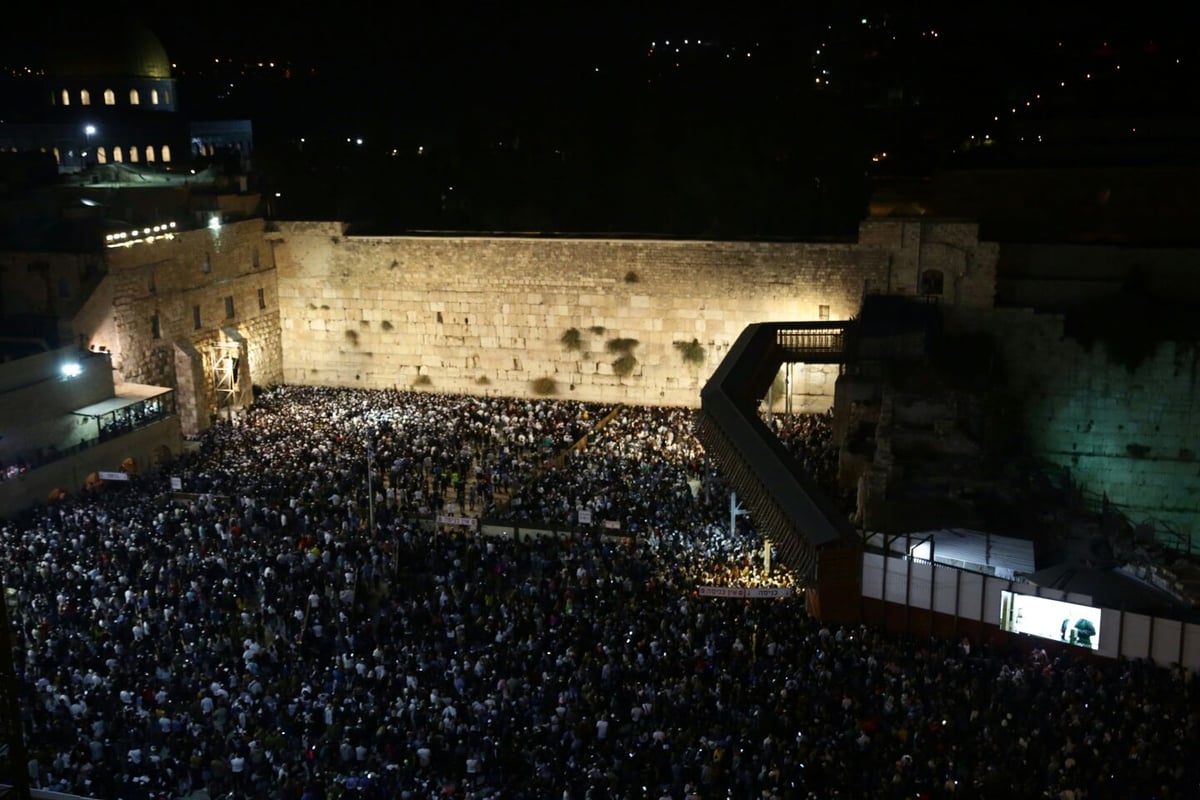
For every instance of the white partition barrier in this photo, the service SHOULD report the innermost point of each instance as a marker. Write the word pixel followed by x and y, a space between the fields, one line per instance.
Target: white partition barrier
pixel 970 595
pixel 1110 639
pixel 945 591
pixel 895 580
pixel 920 585
pixel 872 578
pixel 1135 635
pixel 1166 635
pixel 1191 646
pixel 965 595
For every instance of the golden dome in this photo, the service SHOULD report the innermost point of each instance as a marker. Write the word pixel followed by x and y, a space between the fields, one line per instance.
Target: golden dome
pixel 127 50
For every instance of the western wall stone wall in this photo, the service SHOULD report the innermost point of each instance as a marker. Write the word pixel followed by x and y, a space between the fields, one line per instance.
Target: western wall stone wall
pixel 1133 436
pixel 185 286
pixel 521 316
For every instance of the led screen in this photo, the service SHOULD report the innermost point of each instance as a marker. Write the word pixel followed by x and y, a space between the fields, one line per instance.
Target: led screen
pixel 1051 619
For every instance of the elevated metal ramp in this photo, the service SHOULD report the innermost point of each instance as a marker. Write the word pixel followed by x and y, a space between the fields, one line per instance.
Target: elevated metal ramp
pixel 786 504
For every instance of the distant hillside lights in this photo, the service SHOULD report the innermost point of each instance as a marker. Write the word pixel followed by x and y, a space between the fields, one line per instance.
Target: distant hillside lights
pixel 140 235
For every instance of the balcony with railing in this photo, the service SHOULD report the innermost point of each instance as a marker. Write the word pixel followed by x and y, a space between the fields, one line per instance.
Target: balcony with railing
pixel 813 342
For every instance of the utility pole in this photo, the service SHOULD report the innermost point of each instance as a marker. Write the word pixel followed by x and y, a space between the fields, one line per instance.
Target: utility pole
pixel 735 511
pixel 370 488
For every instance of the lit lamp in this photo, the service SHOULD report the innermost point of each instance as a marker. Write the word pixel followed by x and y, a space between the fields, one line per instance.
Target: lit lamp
pixel 88 130
pixel 16 770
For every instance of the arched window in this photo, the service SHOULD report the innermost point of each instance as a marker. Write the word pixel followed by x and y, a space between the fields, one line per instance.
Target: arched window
pixel 101 155
pixel 166 154
pixel 932 281
pixel 85 97
pixel 134 97
pixel 133 155
pixel 118 156
pixel 149 154
pixel 154 97
pixel 110 97
pixel 66 97
pixel 166 98
pixel 57 156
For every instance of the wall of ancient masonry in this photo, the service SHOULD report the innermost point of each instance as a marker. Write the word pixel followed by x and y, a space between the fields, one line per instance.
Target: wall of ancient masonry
pixel 173 299
pixel 563 317
pixel 1131 435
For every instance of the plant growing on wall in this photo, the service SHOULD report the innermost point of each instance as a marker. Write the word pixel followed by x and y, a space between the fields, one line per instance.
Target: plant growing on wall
pixel 572 339
pixel 620 345
pixel 597 330
pixel 386 325
pixel 631 277
pixel 483 380
pixel 623 367
pixel 352 337
pixel 691 352
pixel 625 362
pixel 422 380
pixel 543 386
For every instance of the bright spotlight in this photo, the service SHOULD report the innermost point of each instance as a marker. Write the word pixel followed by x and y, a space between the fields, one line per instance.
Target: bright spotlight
pixel 71 370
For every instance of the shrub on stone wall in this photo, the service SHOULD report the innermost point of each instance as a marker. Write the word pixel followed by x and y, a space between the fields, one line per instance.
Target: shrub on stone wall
pixel 621 345
pixel 386 325
pixel 691 352
pixel 623 348
pixel 422 380
pixel 623 367
pixel 543 386
pixel 597 330
pixel 631 277
pixel 572 339
pixel 352 337
pixel 483 380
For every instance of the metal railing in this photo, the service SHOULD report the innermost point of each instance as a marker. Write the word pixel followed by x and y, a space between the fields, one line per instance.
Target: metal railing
pixel 804 341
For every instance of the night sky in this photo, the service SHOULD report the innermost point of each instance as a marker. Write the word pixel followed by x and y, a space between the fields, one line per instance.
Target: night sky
pixel 450 41
pixel 565 115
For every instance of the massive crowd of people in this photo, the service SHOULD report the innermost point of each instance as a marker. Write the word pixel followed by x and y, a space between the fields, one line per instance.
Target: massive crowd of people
pixel 281 630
